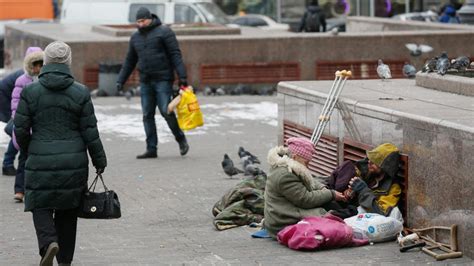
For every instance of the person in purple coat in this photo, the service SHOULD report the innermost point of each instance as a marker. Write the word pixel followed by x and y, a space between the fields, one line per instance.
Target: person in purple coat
pixel 32 65
pixel 7 84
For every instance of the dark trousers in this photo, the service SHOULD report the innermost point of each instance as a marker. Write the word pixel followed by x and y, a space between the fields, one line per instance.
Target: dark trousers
pixel 10 153
pixel 20 173
pixel 153 94
pixel 56 226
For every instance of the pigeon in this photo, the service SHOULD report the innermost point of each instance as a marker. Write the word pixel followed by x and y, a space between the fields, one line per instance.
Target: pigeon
pixel 220 91
pixel 228 166
pixel 418 49
pixel 208 91
pixel 409 71
pixel 243 153
pixel 430 65
pixel 442 65
pixel 253 170
pixel 383 70
pixel 128 95
pixel 460 63
pixel 334 32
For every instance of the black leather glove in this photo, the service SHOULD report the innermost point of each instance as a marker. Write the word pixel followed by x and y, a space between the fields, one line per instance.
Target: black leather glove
pixel 119 87
pixel 182 83
pixel 176 91
pixel 99 171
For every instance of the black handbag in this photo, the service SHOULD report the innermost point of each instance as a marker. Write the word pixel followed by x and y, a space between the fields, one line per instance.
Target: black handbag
pixel 99 205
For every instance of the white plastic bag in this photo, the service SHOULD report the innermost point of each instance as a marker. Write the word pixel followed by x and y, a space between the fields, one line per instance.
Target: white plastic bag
pixel 378 228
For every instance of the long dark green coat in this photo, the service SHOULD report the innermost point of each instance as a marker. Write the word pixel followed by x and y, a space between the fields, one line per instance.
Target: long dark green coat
pixel 63 126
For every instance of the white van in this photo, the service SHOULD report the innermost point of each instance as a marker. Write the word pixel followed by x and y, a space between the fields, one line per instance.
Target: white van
pixel 123 11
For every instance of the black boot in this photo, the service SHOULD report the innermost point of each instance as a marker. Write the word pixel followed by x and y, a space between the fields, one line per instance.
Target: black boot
pixel 147 154
pixel 9 170
pixel 183 147
pixel 50 253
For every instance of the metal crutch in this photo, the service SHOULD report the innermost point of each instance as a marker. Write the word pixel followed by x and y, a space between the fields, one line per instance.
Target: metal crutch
pixel 333 96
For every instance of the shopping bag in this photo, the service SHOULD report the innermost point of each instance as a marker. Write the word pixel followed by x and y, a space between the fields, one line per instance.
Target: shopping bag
pixel 188 110
pixel 99 205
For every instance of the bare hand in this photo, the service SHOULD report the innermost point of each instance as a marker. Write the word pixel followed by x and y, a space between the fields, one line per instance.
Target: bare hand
pixel 339 196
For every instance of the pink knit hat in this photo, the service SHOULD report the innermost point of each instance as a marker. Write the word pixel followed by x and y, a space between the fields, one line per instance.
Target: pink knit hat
pixel 302 147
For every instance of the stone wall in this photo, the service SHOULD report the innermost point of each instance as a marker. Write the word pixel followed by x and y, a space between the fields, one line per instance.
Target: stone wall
pixel 441 161
pixel 255 47
pixel 370 24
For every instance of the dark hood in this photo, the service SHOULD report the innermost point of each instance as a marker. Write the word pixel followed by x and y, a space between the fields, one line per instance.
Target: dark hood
pixel 314 9
pixel 155 23
pixel 56 77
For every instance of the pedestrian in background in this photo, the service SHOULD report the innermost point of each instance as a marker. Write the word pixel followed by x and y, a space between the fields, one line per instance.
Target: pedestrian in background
pixel 313 19
pixel 7 85
pixel 32 65
pixel 155 49
pixel 55 123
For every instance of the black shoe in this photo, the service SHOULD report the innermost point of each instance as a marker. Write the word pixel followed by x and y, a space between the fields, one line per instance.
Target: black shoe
pixel 148 154
pixel 47 259
pixel 183 147
pixel 9 170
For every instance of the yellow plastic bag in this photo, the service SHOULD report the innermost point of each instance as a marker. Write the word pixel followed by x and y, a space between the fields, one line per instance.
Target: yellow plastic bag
pixel 189 112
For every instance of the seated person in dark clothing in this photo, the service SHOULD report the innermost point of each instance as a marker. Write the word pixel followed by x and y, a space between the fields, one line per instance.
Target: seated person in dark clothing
pixel 370 183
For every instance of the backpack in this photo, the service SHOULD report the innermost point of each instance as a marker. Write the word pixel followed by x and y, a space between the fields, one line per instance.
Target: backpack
pixel 312 22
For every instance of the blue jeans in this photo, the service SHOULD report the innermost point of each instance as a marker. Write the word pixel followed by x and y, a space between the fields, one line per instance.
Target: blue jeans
pixel 10 153
pixel 153 94
pixel 9 156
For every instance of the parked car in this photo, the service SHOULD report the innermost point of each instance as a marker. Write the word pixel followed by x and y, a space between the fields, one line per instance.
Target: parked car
pixel 123 12
pixel 259 21
pixel 428 16
pixel 339 23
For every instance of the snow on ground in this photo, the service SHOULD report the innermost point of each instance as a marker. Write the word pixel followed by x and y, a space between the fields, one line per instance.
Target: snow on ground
pixel 131 125
pixel 115 120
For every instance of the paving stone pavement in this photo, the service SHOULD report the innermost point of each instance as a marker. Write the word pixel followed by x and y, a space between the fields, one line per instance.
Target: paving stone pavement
pixel 166 202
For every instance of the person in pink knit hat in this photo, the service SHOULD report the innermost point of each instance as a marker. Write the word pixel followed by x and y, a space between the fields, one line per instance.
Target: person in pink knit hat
pixel 291 192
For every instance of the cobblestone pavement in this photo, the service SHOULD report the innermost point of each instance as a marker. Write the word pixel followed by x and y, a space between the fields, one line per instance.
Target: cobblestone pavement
pixel 166 202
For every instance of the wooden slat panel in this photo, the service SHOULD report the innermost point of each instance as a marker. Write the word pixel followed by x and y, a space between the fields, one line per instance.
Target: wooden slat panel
pixel 249 73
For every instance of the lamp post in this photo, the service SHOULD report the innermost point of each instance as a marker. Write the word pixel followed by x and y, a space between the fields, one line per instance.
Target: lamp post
pixel 466 13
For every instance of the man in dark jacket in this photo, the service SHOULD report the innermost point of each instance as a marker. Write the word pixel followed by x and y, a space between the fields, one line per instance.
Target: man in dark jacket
pixel 313 18
pixel 7 85
pixel 55 123
pixel 155 49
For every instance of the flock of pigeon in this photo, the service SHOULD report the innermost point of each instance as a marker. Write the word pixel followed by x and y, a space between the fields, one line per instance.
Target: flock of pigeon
pixel 239 89
pixel 439 64
pixel 249 162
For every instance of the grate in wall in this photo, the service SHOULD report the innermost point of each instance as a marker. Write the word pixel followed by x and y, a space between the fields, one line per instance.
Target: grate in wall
pixel 360 69
pixel 249 73
pixel 325 160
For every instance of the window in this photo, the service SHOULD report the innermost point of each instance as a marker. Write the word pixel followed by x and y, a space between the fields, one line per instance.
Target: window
pixel 240 21
pixel 185 14
pixel 157 9
pixel 256 22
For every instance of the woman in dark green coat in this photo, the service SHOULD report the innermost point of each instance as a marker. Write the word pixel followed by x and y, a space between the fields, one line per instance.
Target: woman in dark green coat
pixel 55 124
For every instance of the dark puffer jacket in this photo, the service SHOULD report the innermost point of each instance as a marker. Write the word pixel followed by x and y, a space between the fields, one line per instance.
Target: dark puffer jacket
pixel 7 85
pixel 156 50
pixel 63 126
